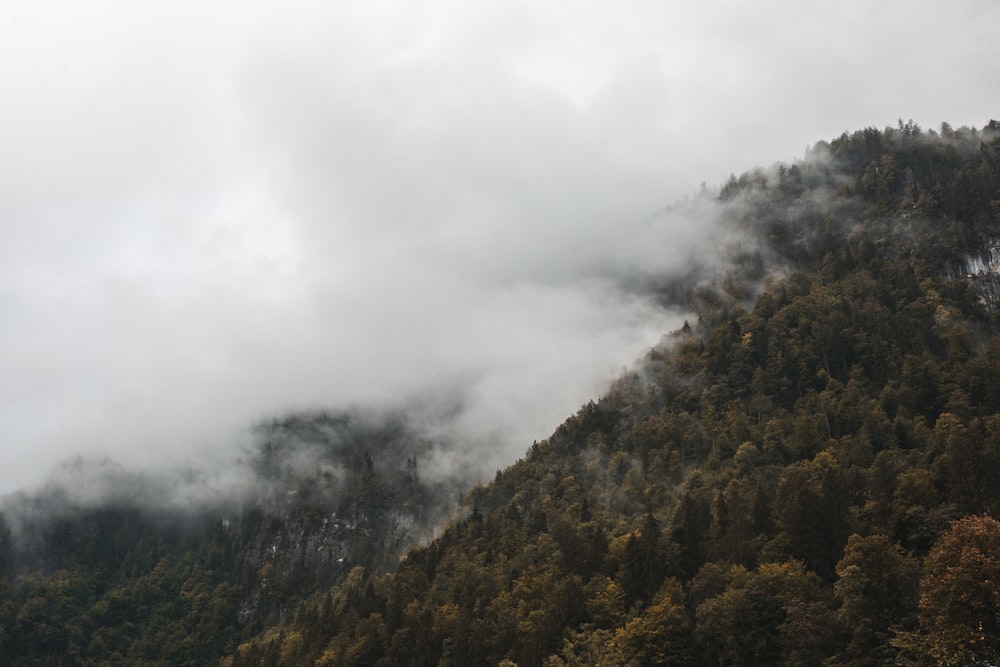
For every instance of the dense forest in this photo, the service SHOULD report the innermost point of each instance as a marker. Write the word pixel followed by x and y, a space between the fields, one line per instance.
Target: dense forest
pixel 805 473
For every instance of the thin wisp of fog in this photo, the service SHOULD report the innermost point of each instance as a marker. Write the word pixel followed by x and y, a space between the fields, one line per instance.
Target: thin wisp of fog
pixel 219 213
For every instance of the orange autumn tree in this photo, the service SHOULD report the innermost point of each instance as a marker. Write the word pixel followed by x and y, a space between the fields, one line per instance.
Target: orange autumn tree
pixel 960 597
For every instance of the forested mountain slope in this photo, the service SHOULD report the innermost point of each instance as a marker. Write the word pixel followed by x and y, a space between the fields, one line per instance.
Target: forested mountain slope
pixel 805 473
pixel 105 566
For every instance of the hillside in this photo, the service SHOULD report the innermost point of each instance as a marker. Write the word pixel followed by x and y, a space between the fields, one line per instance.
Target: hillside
pixel 805 473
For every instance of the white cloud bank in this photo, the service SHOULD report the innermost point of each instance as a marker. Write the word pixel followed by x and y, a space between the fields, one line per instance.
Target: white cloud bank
pixel 215 212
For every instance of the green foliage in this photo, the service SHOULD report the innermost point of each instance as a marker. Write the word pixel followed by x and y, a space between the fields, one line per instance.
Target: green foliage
pixel 877 590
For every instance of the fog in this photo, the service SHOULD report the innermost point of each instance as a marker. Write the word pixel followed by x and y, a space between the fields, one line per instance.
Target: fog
pixel 216 213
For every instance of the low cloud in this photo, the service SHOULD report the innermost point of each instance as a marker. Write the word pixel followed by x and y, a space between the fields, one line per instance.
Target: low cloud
pixel 213 215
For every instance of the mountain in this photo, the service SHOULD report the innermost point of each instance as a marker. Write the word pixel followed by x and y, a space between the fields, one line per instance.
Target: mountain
pixel 805 473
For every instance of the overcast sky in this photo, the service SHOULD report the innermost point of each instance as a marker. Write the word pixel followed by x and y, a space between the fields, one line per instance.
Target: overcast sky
pixel 216 212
